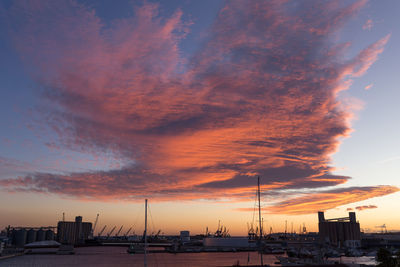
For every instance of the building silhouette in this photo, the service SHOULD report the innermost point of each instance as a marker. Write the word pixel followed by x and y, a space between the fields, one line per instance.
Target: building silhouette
pixel 73 232
pixel 339 231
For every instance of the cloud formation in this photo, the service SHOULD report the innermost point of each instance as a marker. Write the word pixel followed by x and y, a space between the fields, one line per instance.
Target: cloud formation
pixel 365 207
pixel 259 98
pixel 369 86
pixel 360 208
pixel 368 25
pixel 325 200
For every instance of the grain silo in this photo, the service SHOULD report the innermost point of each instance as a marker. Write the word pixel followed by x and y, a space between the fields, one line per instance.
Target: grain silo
pixel 40 235
pixel 31 236
pixel 49 234
pixel 20 237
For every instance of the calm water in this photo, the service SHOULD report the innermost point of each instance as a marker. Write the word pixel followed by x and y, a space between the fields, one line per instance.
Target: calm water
pixel 117 256
pixel 367 260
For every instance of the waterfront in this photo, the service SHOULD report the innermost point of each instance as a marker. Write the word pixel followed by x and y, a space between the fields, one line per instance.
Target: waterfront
pixel 117 256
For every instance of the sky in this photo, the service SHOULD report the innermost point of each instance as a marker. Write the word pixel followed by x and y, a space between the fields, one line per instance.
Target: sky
pixel 185 103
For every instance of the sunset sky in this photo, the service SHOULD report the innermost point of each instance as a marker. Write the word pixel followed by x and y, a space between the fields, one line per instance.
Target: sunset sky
pixel 106 103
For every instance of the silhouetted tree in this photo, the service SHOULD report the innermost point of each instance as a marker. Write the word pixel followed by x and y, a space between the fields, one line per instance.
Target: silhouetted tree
pixel 398 258
pixel 385 259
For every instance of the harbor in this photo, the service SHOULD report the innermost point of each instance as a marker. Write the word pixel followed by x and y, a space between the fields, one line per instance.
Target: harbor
pixel 338 242
pixel 117 256
pixel 184 133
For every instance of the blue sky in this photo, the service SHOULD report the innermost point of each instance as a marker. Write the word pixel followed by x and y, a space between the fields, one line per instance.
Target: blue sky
pixel 201 162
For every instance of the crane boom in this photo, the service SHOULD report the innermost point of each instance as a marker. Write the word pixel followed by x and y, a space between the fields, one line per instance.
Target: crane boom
pixel 127 232
pixel 112 230
pixel 102 230
pixel 95 223
pixel 94 227
pixel 119 230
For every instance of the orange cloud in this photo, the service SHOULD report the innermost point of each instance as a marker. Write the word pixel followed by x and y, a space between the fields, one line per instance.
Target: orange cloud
pixel 314 202
pixel 258 98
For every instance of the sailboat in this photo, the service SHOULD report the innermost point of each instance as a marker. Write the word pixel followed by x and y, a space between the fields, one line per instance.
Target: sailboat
pixel 139 248
pixel 260 245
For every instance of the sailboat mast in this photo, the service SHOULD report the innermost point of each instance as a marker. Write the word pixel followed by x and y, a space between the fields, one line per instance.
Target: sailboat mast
pixel 145 233
pixel 259 217
pixel 259 207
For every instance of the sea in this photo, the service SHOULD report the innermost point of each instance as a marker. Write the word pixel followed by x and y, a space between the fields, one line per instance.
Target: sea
pixel 117 256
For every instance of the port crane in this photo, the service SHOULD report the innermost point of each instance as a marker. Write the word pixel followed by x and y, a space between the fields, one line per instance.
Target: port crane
pixel 250 231
pixel 127 232
pixel 157 235
pixel 102 230
pixel 382 227
pixel 221 231
pixel 112 230
pixel 119 230
pixel 94 227
pixel 95 222
pixel 207 232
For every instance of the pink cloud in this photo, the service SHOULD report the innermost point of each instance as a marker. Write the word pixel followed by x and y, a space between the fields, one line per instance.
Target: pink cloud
pixel 257 99
pixel 369 86
pixel 368 25
pixel 367 57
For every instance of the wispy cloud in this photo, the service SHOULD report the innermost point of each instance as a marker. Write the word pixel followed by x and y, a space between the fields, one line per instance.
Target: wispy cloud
pixel 257 99
pixel 325 200
pixel 369 86
pixel 368 25
pixel 366 207
pixel 396 158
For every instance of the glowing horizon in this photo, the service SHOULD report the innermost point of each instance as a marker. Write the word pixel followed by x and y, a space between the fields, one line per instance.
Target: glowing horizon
pixel 146 105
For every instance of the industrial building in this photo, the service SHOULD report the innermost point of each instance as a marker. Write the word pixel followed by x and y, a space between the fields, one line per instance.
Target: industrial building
pixel 20 236
pixel 340 232
pixel 73 232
